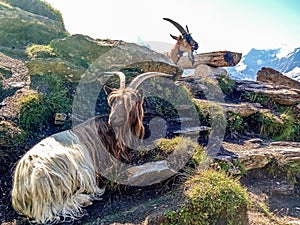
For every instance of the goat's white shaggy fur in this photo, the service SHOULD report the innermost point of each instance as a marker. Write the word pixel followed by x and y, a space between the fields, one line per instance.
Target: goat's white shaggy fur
pixel 55 179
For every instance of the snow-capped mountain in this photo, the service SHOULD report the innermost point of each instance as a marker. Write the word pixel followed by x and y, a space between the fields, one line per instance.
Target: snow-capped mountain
pixel 286 61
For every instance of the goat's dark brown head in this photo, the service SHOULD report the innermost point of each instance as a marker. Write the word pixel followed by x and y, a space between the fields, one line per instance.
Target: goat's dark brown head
pixel 185 43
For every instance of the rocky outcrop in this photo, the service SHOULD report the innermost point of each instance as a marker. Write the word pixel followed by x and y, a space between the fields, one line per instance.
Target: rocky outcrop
pixel 37 7
pixel 20 28
pixel 82 50
pixel 257 154
pixel 244 109
pixel 76 53
pixel 271 76
pixel 135 57
pixel 210 64
pixel 280 94
pixel 57 66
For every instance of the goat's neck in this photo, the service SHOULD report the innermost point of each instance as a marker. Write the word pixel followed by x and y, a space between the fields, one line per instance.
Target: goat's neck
pixel 175 53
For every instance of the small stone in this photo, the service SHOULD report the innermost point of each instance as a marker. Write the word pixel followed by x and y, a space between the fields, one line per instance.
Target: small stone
pixel 16 84
pixel 192 130
pixel 60 118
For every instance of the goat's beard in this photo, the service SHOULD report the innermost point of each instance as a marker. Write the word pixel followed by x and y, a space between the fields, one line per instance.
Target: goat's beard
pixel 126 137
pixel 123 141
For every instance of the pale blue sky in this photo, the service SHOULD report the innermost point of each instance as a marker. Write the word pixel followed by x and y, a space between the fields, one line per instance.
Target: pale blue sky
pixel 235 25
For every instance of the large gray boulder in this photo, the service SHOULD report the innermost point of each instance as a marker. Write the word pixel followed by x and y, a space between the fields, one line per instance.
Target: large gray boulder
pixel 20 28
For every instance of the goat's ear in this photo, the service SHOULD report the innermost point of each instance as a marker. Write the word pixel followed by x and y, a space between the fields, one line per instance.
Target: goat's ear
pixel 187 29
pixel 140 94
pixel 108 90
pixel 175 37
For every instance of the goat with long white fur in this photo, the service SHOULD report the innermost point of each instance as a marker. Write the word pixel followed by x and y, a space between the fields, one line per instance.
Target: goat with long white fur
pixel 185 43
pixel 57 177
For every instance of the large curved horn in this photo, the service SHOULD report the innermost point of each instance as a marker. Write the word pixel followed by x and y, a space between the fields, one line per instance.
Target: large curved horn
pixel 177 25
pixel 121 75
pixel 144 76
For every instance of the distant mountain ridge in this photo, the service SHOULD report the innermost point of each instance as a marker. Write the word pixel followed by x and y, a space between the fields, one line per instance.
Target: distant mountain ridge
pixel 281 59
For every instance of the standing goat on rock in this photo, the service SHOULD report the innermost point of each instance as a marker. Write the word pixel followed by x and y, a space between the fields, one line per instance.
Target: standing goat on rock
pixel 185 43
pixel 57 177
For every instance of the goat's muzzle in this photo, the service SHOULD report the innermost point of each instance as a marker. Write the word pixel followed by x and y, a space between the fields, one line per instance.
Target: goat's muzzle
pixel 115 121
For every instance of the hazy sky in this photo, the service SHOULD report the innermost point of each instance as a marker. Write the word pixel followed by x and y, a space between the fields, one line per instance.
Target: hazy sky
pixel 235 25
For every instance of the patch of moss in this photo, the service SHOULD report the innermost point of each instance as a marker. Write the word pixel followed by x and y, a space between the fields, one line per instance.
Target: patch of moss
pixel 170 145
pixel 212 197
pixel 167 100
pixel 240 166
pixel 40 51
pixel 180 144
pixel 211 114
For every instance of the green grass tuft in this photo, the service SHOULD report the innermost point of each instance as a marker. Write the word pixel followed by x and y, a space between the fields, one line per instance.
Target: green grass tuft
pixel 37 108
pixel 211 197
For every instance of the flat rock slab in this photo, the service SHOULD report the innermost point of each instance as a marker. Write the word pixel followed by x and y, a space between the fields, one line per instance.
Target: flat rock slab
pixel 192 130
pixel 214 59
pixel 244 109
pixel 258 154
pixel 280 94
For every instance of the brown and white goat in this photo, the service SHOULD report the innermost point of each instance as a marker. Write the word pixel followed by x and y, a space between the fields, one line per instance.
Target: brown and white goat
pixel 57 177
pixel 185 43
